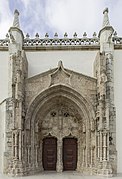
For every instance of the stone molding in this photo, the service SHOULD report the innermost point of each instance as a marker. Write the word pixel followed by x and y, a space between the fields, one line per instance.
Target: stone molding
pixel 61 103
pixel 61 44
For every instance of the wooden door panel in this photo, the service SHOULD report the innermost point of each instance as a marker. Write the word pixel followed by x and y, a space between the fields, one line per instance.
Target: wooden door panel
pixel 70 154
pixel 49 154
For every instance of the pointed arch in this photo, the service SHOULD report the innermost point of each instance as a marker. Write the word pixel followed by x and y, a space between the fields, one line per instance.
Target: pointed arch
pixel 59 91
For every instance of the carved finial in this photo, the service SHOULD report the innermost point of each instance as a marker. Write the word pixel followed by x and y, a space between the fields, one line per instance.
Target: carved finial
pixel 27 36
pixel 75 35
pixel 46 35
pixel 115 34
pixel 94 34
pixel 106 18
pixel 37 35
pixel 60 64
pixel 105 10
pixel 85 34
pixel 56 35
pixel 7 36
pixel 65 35
pixel 16 19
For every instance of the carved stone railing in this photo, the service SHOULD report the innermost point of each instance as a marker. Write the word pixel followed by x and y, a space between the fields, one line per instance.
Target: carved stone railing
pixel 4 42
pixel 60 42
pixel 55 41
pixel 117 40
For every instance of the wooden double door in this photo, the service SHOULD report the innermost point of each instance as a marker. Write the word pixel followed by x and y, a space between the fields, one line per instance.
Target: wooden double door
pixel 49 154
pixel 69 154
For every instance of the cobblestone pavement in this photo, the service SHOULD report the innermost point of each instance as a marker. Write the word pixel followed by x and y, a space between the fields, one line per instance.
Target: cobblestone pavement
pixel 67 175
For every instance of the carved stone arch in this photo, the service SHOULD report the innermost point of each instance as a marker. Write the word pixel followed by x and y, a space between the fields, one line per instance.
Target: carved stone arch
pixel 59 90
pixel 49 99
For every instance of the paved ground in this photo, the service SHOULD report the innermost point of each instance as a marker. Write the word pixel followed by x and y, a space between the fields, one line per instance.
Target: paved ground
pixel 52 175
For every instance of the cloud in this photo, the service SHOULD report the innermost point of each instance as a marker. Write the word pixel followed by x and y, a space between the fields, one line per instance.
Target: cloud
pixel 71 16
pixel 116 16
pixel 80 15
pixel 26 3
pixel 33 17
pixel 60 16
pixel 5 18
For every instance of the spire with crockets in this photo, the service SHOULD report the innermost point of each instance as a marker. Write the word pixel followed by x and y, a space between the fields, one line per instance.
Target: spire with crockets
pixel 105 18
pixel 16 19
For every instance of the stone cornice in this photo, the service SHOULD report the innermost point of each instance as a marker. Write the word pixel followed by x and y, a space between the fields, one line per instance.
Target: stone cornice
pixel 60 43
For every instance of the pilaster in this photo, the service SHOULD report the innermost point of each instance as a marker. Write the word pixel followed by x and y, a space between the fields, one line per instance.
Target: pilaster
pixel 105 101
pixel 15 103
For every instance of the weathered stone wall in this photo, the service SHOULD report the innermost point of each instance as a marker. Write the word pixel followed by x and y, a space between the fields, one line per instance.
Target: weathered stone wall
pixel 85 85
pixel 2 134
pixel 79 60
pixel 118 104
pixel 4 56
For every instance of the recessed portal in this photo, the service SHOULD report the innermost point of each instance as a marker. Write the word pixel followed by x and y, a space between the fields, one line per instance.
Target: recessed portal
pixel 49 154
pixel 69 154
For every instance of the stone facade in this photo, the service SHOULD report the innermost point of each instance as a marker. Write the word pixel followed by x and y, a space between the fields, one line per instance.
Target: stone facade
pixel 60 103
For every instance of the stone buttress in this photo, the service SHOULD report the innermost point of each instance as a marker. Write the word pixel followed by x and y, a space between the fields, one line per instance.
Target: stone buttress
pixel 105 112
pixel 15 103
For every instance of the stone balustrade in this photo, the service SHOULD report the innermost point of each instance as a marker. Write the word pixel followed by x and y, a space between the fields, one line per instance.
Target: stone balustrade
pixel 49 42
pixel 117 40
pixel 4 42
pixel 61 41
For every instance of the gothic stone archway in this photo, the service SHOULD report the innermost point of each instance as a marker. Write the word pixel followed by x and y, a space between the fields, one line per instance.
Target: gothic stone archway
pixel 60 112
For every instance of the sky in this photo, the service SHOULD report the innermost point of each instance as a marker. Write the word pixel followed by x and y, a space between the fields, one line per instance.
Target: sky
pixel 50 16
